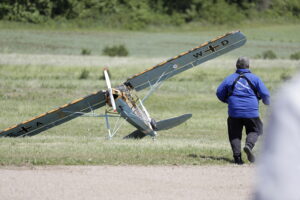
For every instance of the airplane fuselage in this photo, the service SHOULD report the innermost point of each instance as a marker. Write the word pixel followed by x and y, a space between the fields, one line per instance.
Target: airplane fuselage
pixel 132 112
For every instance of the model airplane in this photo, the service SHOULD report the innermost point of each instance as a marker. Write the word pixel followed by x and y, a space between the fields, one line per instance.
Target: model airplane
pixel 122 103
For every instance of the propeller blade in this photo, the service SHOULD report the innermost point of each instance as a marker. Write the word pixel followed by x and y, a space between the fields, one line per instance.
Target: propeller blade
pixel 112 100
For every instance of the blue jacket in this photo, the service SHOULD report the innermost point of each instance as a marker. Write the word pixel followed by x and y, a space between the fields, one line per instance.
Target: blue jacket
pixel 243 103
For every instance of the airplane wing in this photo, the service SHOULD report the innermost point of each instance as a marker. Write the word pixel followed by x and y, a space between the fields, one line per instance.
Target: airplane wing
pixel 57 116
pixel 187 60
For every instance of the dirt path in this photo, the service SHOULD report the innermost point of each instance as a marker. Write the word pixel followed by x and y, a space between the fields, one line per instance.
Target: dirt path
pixel 127 182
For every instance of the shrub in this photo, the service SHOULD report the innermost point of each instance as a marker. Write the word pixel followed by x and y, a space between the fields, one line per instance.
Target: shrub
pixel 86 52
pixel 117 50
pixel 84 74
pixel 295 56
pixel 269 55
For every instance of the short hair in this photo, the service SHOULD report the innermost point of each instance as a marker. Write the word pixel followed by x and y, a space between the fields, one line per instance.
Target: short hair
pixel 242 63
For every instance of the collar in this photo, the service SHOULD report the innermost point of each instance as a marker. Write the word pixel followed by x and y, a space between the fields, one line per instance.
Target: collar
pixel 243 70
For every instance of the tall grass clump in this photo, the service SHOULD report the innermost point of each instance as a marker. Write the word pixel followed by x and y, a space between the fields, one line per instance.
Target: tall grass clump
pixel 117 50
pixel 86 52
pixel 84 74
pixel 269 54
pixel 295 56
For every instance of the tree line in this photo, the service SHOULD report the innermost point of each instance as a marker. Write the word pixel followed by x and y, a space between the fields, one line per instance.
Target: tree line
pixel 136 14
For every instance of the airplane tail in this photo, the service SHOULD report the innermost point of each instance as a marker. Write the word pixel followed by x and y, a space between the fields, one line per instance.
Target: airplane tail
pixel 172 122
pixel 160 125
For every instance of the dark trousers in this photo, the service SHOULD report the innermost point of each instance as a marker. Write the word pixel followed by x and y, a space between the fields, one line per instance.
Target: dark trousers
pixel 253 126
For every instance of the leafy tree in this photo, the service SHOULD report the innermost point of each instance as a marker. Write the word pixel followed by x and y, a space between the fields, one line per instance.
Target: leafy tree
pixel 137 14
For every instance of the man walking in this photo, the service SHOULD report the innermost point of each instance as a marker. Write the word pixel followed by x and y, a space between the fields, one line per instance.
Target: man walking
pixel 242 91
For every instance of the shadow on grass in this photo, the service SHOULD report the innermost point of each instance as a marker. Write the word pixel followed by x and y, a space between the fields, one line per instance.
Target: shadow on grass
pixel 216 158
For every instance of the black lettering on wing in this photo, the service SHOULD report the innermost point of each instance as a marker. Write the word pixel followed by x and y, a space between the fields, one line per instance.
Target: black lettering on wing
pixel 224 42
pixel 198 54
pixel 39 124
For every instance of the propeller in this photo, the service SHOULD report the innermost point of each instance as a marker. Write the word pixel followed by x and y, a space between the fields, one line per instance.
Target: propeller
pixel 112 100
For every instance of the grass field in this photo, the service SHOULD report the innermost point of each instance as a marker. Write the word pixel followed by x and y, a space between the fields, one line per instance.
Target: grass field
pixel 32 88
pixel 282 39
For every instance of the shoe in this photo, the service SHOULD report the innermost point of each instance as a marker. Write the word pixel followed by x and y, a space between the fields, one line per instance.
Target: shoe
pixel 250 154
pixel 238 160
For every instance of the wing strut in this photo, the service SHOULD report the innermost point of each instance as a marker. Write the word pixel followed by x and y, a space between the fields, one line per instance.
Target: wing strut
pixel 117 126
pixel 155 86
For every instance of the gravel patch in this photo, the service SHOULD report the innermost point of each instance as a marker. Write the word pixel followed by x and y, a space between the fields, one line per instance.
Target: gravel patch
pixel 127 182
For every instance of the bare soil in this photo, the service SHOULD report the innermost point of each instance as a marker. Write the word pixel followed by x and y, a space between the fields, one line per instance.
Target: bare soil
pixel 127 182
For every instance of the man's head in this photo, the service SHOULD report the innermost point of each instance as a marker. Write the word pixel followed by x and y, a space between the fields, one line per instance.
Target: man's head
pixel 242 63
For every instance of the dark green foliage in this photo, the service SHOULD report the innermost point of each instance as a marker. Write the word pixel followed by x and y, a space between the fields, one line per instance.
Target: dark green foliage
pixel 269 54
pixel 286 8
pixel 137 14
pixel 86 51
pixel 35 11
pixel 295 56
pixel 84 74
pixel 117 50
pixel 221 12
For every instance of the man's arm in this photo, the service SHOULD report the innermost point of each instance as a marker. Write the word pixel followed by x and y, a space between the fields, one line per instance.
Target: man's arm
pixel 222 92
pixel 263 92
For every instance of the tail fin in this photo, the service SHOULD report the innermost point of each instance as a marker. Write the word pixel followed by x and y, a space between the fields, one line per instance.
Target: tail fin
pixel 172 122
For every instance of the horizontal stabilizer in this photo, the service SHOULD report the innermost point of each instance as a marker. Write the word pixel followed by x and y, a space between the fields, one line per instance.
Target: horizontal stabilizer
pixel 172 122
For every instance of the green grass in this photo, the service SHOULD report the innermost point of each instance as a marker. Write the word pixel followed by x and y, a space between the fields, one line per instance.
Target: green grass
pixel 29 88
pixel 283 40
pixel 27 91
